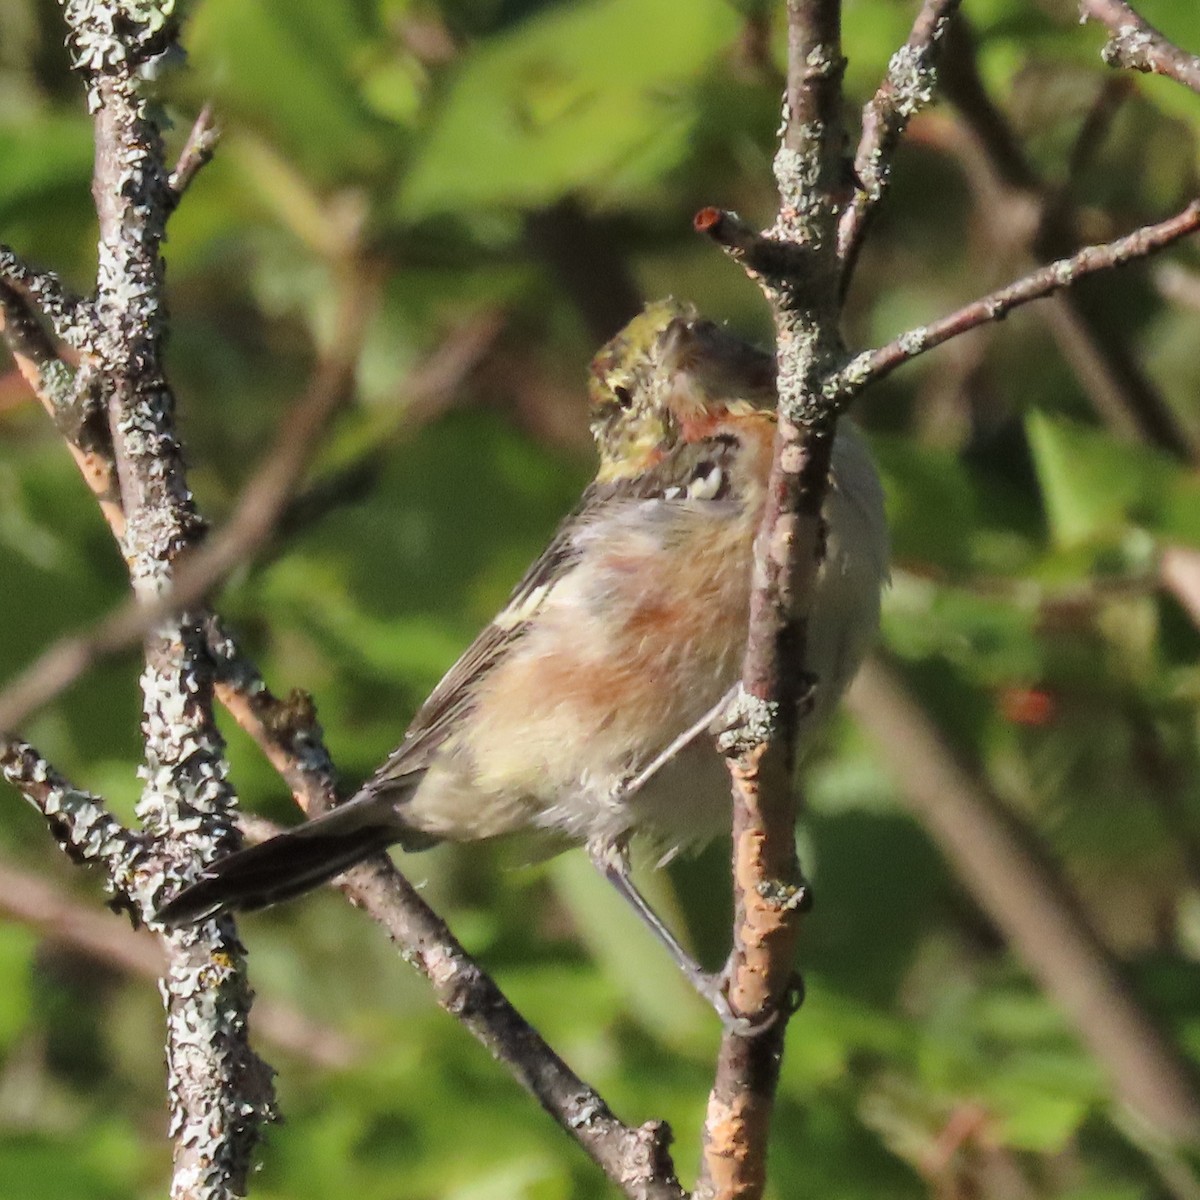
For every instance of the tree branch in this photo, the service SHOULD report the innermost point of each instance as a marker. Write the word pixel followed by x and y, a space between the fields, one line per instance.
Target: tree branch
pixel 197 152
pixel 635 1159
pixel 1022 213
pixel 907 88
pixel 1136 44
pixel 796 265
pixel 872 365
pixel 81 825
pixel 219 1090
pixel 72 318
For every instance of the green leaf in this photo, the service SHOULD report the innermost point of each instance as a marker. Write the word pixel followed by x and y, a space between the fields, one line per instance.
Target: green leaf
pixel 585 96
pixel 1092 485
pixel 290 66
pixel 932 511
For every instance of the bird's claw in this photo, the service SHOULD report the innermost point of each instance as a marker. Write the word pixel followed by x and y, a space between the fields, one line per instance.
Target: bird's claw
pixel 715 989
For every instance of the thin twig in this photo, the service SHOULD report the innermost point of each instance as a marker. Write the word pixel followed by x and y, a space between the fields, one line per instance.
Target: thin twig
pixel 1029 902
pixel 1022 213
pixel 81 824
pixel 1135 43
pixel 907 88
pixel 635 1159
pixel 197 151
pixel 872 365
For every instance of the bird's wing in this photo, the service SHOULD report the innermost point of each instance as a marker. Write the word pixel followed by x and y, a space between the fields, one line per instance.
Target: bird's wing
pixel 452 698
pixel 673 480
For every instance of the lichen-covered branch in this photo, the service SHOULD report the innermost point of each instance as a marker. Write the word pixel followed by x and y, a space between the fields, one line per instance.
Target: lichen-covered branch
pixel 220 1092
pixel 72 318
pixel 81 825
pixel 1135 43
pixel 872 365
pixel 907 88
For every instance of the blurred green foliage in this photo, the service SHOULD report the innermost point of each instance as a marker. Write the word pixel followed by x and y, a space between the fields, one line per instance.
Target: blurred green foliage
pixel 477 145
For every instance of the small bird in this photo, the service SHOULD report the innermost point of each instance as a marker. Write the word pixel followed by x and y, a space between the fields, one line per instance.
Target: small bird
pixel 580 714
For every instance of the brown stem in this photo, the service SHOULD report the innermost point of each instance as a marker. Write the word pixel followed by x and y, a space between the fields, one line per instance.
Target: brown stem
pixel 872 365
pixel 197 152
pixel 796 265
pixel 635 1159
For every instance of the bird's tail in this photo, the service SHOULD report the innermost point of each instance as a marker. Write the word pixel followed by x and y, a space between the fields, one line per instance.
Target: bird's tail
pixel 289 863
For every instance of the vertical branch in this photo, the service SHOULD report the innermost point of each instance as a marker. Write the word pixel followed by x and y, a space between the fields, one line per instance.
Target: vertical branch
pixel 219 1090
pixel 796 264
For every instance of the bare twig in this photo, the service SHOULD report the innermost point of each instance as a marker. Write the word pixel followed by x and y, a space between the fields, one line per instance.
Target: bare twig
pixel 81 824
pixel 872 365
pixel 1135 43
pixel 197 151
pixel 906 89
pixel 635 1159
pixel 1028 900
pixel 287 731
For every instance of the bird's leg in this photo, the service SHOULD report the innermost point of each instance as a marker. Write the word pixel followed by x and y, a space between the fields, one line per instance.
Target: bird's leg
pixel 685 739
pixel 611 859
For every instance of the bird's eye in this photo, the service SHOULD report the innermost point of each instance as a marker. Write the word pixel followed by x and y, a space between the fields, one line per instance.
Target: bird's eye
pixel 623 395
